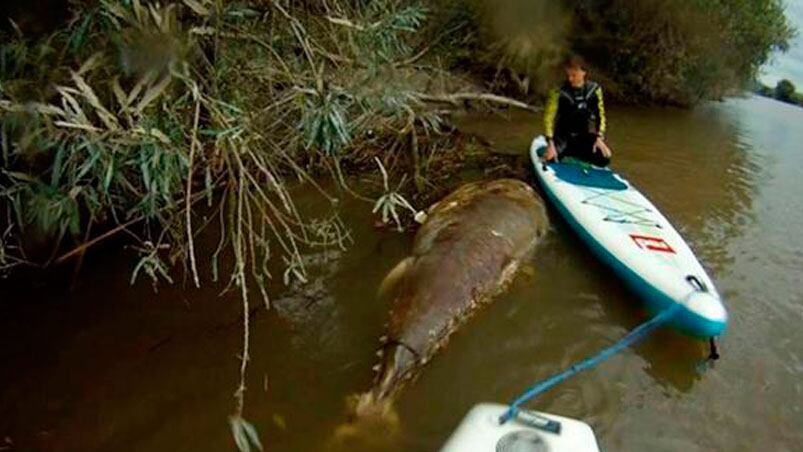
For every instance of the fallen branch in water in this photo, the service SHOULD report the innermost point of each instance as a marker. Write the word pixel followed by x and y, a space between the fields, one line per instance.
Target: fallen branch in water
pixel 83 247
pixel 458 98
pixel 112 232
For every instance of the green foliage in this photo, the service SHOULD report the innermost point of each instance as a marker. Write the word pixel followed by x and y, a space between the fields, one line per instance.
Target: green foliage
pixel 680 51
pixel 384 37
pixel 49 208
pixel 671 51
pixel 126 117
pixel 389 203
pixel 763 90
pixel 785 91
pixel 323 122
pixel 152 264
pixel 135 111
pixel 245 435
pixel 99 119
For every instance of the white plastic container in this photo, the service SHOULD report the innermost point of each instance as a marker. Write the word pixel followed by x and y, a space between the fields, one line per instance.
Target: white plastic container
pixel 530 431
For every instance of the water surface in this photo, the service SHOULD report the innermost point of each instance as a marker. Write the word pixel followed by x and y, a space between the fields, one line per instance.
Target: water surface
pixel 111 367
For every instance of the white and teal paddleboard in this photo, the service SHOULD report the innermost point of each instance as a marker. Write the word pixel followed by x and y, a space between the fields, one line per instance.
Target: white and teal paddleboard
pixel 627 232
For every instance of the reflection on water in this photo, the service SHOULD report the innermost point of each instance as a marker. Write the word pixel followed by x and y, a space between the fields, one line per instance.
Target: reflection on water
pixel 113 368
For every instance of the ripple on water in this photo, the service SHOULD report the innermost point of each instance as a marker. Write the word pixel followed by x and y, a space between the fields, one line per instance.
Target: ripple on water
pixel 728 175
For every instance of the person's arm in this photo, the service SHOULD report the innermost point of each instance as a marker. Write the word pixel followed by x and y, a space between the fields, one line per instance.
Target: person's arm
pixel 550 113
pixel 603 121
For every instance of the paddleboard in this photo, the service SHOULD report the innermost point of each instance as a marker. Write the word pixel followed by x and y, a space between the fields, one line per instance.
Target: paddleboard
pixel 628 233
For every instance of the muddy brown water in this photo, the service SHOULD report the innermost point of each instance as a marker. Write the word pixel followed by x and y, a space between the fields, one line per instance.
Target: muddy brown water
pixel 112 367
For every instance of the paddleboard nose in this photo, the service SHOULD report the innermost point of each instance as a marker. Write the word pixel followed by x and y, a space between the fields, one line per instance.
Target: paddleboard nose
pixel 711 313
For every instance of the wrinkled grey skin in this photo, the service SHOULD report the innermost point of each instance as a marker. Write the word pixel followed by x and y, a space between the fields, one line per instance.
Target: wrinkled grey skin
pixel 465 253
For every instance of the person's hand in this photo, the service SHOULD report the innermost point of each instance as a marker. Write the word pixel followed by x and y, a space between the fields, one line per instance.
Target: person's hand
pixel 550 154
pixel 601 147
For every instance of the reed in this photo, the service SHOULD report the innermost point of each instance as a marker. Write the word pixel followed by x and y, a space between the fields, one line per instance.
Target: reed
pixel 136 115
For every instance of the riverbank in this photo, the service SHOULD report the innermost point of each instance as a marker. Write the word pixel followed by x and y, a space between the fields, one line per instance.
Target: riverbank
pixel 130 116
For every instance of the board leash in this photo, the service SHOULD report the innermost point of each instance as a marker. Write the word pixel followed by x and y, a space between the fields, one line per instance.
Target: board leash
pixel 634 336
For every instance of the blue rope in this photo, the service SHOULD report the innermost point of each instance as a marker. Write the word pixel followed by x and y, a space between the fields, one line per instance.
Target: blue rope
pixel 640 332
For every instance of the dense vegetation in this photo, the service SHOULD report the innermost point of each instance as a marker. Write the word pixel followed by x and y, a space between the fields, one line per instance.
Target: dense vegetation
pixel 784 91
pixel 134 116
pixel 129 112
pixel 155 120
pixel 666 51
pixel 132 113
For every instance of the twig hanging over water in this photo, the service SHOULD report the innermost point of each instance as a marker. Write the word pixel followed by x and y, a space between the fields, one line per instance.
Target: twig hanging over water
pixel 457 98
pixel 187 199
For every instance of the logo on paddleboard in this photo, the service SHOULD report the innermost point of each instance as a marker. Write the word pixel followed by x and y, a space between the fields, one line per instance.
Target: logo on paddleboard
pixel 646 242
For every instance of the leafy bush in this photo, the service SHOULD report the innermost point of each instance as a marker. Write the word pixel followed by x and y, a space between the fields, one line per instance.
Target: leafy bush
pixel 785 91
pixel 669 51
pixel 134 112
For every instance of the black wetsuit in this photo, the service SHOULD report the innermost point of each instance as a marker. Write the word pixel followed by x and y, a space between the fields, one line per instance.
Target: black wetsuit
pixel 574 118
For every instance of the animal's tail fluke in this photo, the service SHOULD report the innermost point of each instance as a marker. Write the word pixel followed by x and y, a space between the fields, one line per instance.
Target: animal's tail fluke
pixel 372 424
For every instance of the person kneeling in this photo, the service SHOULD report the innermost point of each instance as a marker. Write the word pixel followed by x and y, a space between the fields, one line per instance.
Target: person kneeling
pixel 575 118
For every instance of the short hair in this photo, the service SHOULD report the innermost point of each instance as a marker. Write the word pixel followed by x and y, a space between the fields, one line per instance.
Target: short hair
pixel 575 61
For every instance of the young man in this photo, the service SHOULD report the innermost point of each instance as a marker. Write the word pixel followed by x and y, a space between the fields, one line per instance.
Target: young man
pixel 574 119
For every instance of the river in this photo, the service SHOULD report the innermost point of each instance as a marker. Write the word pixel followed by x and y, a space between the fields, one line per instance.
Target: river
pixel 110 367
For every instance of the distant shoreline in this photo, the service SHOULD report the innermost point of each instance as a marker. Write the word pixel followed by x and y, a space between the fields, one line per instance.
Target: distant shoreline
pixel 784 91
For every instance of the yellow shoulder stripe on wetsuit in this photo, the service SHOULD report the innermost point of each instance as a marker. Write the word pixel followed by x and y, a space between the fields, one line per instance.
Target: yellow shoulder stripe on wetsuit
pixel 602 119
pixel 551 112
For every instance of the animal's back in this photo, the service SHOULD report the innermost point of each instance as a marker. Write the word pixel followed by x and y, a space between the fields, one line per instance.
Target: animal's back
pixel 464 253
